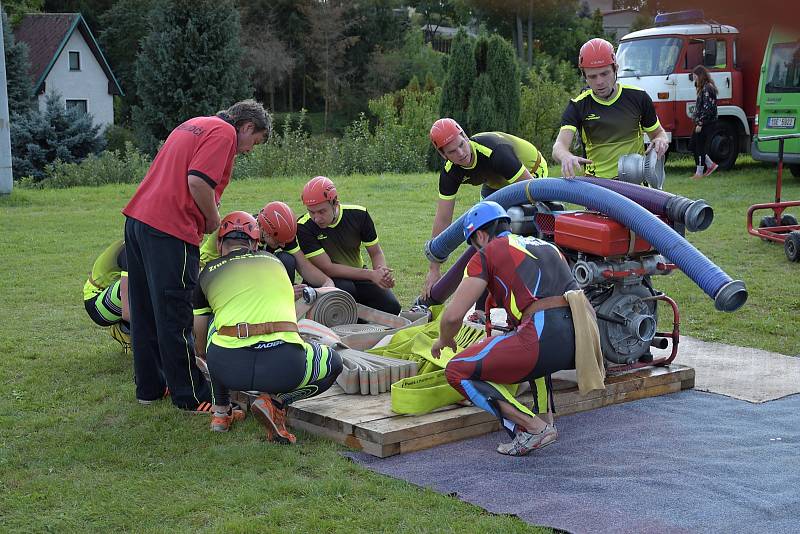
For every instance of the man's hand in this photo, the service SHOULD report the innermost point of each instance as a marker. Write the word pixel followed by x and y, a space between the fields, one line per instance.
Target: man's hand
pixel 434 275
pixel 212 223
pixel 660 145
pixel 298 291
pixel 383 277
pixel 571 165
pixel 439 344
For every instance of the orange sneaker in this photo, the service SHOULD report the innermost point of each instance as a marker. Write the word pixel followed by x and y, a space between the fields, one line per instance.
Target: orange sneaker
pixel 273 419
pixel 222 422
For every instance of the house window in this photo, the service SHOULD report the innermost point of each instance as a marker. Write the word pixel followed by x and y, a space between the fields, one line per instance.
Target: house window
pixel 74 61
pixel 80 104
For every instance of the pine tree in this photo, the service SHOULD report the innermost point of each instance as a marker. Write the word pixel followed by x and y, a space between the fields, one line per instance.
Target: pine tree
pixel 494 99
pixel 189 65
pixel 20 87
pixel 458 83
pixel 39 138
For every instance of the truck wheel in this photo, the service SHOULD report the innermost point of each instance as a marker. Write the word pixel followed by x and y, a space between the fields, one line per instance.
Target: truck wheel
pixel 795 168
pixel 791 246
pixel 723 144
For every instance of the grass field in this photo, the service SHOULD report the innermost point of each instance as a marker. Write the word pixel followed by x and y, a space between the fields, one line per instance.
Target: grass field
pixel 78 453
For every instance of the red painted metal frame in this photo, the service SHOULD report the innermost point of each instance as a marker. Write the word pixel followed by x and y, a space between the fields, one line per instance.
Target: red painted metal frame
pixel 774 233
pixel 674 336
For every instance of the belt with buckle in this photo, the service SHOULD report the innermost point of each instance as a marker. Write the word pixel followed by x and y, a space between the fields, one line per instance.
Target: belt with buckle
pixel 245 330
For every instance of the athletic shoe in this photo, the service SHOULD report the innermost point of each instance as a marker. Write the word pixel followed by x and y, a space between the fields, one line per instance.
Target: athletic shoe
pixel 122 336
pixel 273 419
pixel 525 442
pixel 710 168
pixel 201 409
pixel 148 402
pixel 221 422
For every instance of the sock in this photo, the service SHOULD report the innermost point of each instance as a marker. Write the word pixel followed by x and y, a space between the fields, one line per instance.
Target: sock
pixel 699 170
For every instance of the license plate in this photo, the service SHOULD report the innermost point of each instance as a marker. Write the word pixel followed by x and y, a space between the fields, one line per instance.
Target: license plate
pixel 780 122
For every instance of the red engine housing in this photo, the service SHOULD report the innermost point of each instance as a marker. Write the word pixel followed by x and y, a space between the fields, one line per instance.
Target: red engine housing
pixel 596 234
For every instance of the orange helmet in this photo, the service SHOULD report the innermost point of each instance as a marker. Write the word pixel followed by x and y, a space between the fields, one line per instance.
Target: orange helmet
pixel 277 220
pixel 318 190
pixel 239 224
pixel 596 53
pixel 443 131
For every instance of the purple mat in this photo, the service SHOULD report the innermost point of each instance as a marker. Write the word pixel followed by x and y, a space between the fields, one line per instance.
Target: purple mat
pixel 687 462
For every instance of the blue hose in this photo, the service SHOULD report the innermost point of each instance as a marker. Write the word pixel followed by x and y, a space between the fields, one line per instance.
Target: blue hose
pixel 728 294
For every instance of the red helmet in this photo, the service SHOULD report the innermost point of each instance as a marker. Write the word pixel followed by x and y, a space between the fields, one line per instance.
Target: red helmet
pixel 239 222
pixel 318 190
pixel 596 53
pixel 277 220
pixel 443 131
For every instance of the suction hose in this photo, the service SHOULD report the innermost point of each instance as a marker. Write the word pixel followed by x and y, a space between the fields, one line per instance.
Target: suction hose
pixel 728 294
pixel 695 215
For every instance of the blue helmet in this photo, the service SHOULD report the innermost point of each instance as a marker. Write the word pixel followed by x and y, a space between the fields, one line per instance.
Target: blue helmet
pixel 481 213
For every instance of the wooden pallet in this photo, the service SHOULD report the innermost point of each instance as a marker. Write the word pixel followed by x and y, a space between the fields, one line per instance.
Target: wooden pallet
pixel 367 423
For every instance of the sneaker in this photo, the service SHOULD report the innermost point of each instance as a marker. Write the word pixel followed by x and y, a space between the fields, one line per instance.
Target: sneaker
pixel 122 336
pixel 221 422
pixel 273 419
pixel 710 168
pixel 148 402
pixel 477 317
pixel 525 442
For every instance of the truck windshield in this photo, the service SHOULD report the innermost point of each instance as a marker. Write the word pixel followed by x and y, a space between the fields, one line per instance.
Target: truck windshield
pixel 648 57
pixel 784 69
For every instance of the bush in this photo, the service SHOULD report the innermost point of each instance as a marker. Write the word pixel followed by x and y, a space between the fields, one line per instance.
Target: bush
pixel 542 103
pixel 118 137
pixel 40 138
pixel 111 167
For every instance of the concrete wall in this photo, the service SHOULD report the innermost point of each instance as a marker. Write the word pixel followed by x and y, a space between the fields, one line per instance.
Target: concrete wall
pixel 619 22
pixel 90 83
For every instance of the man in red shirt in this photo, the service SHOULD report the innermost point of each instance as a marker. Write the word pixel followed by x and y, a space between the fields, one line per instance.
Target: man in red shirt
pixel 173 207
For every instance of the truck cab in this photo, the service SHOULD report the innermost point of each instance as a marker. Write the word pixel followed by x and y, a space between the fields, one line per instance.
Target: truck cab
pixel 660 61
pixel 779 99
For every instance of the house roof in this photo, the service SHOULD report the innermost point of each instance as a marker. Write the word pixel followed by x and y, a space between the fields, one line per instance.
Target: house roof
pixel 46 34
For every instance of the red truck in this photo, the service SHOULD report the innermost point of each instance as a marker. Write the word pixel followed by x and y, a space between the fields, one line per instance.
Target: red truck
pixel 660 60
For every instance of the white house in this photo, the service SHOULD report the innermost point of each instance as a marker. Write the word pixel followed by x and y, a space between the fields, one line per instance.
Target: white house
pixel 66 58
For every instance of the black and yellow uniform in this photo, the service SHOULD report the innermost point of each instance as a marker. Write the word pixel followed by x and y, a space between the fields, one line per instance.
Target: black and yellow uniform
pixel 252 287
pixel 610 129
pixel 210 251
pixel 101 292
pixel 498 159
pixel 342 242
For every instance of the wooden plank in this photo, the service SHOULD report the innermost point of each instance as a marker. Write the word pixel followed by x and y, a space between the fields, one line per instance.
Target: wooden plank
pixel 426 442
pixel 367 422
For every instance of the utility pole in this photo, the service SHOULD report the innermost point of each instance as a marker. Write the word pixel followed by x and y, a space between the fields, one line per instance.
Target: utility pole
pixel 6 178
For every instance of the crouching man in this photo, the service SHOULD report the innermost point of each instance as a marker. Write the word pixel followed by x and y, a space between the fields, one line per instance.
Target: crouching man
pixel 530 278
pixel 254 342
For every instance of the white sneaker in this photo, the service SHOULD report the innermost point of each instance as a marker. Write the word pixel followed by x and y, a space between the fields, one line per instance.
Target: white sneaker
pixel 525 442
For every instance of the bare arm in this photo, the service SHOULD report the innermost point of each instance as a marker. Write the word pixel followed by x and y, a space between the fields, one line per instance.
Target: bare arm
pixel 203 195
pixel 658 141
pixel 310 272
pixel 335 270
pixel 379 265
pixel 123 296
pixel 570 163
pixel 464 298
pixel 200 335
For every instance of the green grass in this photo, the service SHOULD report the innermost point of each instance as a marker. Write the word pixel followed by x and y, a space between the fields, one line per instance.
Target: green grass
pixel 78 453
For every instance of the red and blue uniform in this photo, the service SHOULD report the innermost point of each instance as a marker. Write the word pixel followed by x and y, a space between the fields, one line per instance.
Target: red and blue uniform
pixel 518 271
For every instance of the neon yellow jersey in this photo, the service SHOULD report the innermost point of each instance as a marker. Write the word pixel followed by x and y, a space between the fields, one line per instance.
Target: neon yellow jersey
pixel 107 269
pixel 610 129
pixel 209 250
pixel 246 287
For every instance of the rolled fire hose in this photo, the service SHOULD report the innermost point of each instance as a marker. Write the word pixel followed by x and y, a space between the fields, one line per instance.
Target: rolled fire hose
pixel 327 305
pixel 362 373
